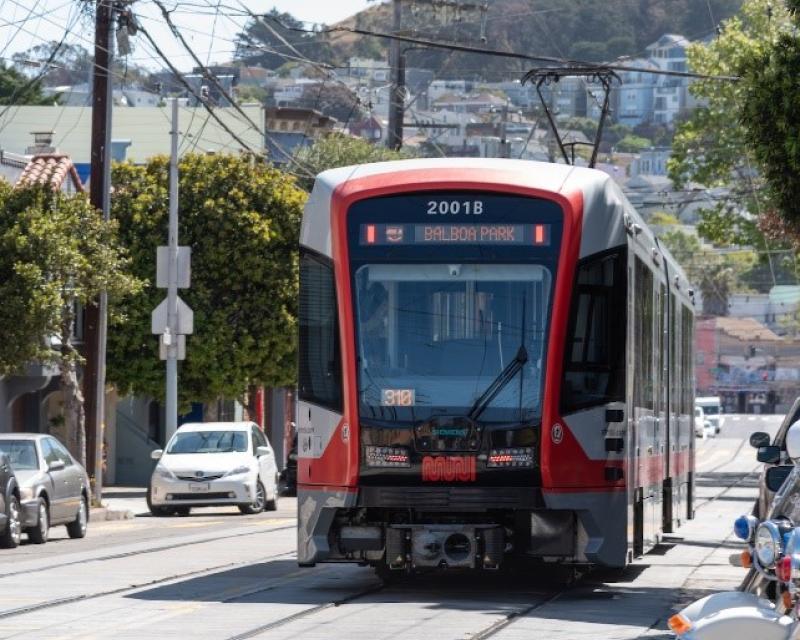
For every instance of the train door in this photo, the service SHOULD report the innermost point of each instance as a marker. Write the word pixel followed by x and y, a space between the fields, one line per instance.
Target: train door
pixel 644 412
pixel 674 494
pixel 658 464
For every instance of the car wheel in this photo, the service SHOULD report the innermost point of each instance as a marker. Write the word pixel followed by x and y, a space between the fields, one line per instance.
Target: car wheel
pixel 182 511
pixel 13 533
pixel 77 528
pixel 257 505
pixel 38 534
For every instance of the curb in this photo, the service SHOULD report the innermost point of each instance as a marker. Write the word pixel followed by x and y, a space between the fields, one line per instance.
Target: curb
pixel 100 514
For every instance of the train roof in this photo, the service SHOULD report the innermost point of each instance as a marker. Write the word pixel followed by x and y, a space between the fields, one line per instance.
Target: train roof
pixel 607 213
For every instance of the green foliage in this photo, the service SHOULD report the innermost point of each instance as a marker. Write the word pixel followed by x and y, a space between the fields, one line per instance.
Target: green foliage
pixel 334 100
pixel 15 88
pixel 251 93
pixel 716 275
pixel 664 219
pixel 771 118
pixel 242 222
pixel 633 144
pixel 340 151
pixel 55 251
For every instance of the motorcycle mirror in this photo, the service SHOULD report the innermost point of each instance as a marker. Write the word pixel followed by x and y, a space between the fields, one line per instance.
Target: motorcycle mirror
pixel 759 439
pixel 776 476
pixel 793 442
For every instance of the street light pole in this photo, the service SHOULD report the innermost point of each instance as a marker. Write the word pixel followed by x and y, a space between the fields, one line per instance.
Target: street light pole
pixel 171 334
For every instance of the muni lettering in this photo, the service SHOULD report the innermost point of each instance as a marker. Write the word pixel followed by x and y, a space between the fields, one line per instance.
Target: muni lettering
pixel 448 469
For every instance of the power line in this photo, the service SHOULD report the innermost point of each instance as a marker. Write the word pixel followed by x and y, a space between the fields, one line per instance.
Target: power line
pixel 506 54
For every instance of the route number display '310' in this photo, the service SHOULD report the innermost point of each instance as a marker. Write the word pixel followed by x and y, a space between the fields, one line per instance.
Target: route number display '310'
pixel 485 348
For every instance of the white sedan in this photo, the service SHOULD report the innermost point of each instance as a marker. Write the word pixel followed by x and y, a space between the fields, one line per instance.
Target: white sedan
pixel 211 464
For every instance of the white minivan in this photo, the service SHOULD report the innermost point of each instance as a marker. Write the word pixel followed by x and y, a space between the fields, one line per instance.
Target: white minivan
pixel 211 464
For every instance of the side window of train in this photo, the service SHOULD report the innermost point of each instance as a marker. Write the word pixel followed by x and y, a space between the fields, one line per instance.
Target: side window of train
pixel 643 337
pixel 594 354
pixel 320 378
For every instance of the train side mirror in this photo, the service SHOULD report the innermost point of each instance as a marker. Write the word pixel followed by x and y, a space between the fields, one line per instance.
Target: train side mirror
pixel 792 442
pixel 776 476
pixel 759 439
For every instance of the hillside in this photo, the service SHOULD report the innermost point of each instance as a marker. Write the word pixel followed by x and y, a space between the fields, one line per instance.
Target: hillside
pixel 591 30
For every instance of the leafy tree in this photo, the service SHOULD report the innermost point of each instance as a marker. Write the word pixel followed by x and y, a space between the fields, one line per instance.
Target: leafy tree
pixel 715 275
pixel 340 151
pixel 770 116
pixel 633 144
pixel 242 222
pixel 72 63
pixel 56 253
pixel 251 93
pixel 714 146
pixel 664 219
pixel 263 41
pixel 16 88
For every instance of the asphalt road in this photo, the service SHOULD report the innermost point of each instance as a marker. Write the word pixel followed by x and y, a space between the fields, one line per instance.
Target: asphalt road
pixel 223 576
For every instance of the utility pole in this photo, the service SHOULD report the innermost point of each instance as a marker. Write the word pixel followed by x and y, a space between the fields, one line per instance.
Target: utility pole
pixel 94 380
pixel 505 147
pixel 394 139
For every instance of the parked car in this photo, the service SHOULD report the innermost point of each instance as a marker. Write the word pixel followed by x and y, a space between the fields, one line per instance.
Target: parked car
pixel 212 464
pixel 10 525
pixel 772 454
pixel 712 409
pixel 53 486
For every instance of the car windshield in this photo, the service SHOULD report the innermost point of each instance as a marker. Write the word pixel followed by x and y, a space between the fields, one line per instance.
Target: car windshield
pixel 208 442
pixel 432 338
pixel 711 410
pixel 21 454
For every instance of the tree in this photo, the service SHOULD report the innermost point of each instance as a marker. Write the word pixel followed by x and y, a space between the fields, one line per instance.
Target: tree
pixel 264 41
pixel 715 145
pixel 56 253
pixel 242 220
pixel 341 151
pixel 715 275
pixel 15 88
pixel 71 64
pixel 770 116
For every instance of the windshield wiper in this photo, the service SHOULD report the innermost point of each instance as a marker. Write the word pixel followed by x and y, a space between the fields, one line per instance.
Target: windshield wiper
pixel 499 383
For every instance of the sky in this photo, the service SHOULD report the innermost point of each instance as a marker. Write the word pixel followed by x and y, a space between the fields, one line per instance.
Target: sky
pixel 25 23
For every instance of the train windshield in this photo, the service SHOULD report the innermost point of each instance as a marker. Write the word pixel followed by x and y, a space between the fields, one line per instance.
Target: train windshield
pixel 451 339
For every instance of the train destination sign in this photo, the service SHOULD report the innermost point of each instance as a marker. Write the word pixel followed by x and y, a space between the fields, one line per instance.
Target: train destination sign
pixel 446 233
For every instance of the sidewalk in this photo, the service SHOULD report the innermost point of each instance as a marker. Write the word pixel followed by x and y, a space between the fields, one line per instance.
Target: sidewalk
pixel 689 565
pixel 121 503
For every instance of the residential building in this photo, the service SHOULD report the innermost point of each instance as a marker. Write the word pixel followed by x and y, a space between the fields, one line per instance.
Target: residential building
pixel 477 103
pixel 651 162
pixel 289 128
pixel 633 96
pixel 750 367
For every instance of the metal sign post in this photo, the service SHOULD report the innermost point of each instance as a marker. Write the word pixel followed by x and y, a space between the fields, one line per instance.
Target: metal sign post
pixel 172 320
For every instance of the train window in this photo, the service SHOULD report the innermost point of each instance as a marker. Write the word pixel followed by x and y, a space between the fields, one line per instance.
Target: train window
pixel 320 359
pixel 594 357
pixel 643 336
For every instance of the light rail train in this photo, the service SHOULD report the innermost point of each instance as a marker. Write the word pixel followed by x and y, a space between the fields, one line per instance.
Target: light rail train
pixel 495 365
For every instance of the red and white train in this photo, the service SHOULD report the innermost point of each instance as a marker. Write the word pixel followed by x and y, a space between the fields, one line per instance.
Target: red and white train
pixel 495 364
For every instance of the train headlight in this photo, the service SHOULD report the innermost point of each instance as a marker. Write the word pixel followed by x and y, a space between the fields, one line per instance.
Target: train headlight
pixel 387 457
pixel 744 527
pixel 514 457
pixel 767 544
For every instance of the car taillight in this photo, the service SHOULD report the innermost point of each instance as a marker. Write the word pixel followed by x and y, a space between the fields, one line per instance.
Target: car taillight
pixel 386 457
pixel 513 457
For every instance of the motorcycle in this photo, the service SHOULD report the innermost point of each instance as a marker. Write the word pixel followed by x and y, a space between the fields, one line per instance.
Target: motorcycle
pixel 767 605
